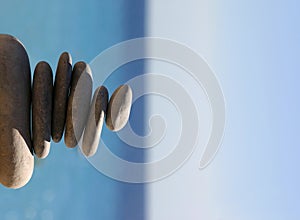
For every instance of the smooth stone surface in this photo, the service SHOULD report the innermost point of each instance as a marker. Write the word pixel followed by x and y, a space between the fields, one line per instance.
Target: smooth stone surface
pixel 42 109
pixel 16 159
pixel 60 95
pixel 92 132
pixel 78 103
pixel 119 107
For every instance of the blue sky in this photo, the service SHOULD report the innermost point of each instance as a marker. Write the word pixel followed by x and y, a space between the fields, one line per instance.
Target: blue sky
pixel 65 185
pixel 253 48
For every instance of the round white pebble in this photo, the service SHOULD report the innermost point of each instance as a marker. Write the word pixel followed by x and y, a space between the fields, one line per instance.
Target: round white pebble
pixel 119 107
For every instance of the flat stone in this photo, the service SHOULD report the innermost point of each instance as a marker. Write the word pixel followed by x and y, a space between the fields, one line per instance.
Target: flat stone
pixel 78 103
pixel 16 159
pixel 92 132
pixel 60 95
pixel 42 109
pixel 119 107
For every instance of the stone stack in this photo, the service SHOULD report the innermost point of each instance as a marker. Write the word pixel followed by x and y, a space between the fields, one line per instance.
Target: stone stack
pixel 64 107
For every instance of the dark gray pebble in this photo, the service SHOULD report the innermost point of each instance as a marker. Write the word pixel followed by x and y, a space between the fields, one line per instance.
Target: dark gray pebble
pixel 42 109
pixel 60 95
pixel 78 103
pixel 95 121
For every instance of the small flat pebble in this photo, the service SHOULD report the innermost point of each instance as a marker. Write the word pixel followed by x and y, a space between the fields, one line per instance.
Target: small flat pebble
pixel 78 103
pixel 60 95
pixel 119 107
pixel 42 109
pixel 92 132
pixel 16 159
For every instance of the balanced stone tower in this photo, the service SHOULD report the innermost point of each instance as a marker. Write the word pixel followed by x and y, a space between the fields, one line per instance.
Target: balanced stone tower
pixel 63 108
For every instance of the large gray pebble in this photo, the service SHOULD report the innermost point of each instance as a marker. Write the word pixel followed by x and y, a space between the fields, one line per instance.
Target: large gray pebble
pixel 119 107
pixel 16 159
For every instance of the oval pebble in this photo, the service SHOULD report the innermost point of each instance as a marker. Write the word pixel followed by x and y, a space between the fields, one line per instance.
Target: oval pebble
pixel 60 95
pixel 78 103
pixel 42 109
pixel 119 108
pixel 95 121
pixel 16 159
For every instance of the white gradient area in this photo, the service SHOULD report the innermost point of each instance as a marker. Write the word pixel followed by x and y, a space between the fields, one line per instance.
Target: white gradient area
pixel 172 116
pixel 187 193
pixel 253 47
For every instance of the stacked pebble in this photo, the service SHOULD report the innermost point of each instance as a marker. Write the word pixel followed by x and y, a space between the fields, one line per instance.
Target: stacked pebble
pixel 65 106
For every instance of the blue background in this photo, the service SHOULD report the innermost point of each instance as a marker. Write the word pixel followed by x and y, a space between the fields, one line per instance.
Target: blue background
pixel 252 46
pixel 65 185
